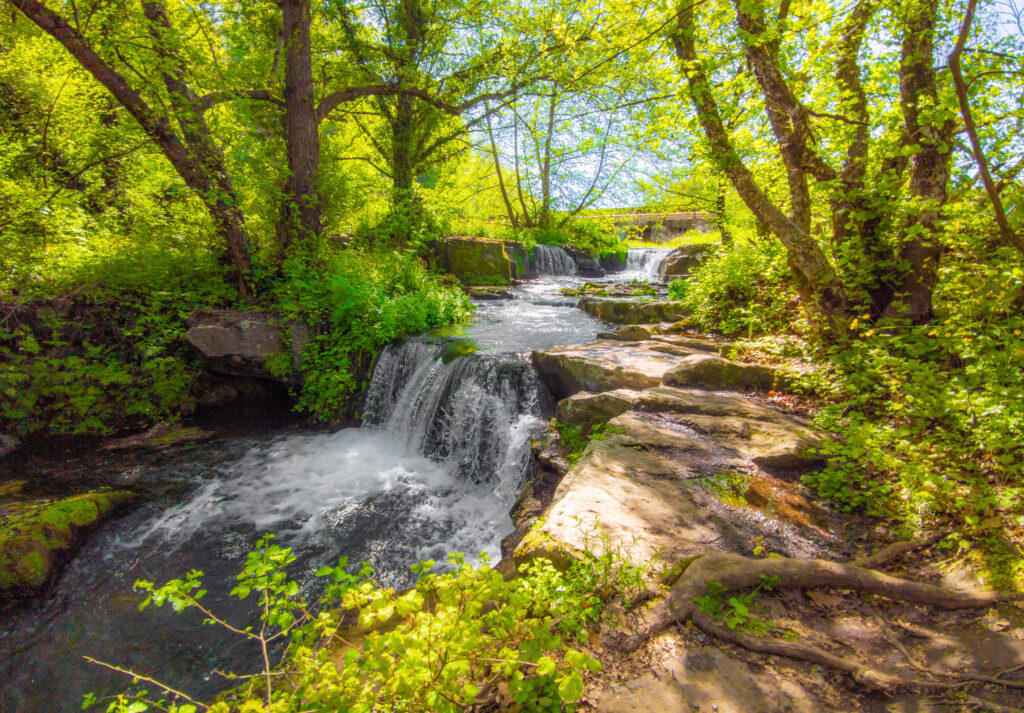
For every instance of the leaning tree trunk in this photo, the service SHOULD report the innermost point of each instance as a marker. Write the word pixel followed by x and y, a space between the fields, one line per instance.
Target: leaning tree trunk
pixel 196 166
pixel 300 210
pixel 820 288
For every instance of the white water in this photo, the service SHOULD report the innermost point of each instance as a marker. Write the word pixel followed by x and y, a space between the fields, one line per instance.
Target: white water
pixel 446 447
pixel 644 264
pixel 553 261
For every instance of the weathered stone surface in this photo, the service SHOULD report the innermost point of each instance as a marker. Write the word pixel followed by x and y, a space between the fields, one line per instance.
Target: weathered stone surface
pixel 239 343
pixel 477 261
pixel 586 265
pixel 683 260
pixel 587 408
pixel 632 311
pixel 654 484
pixel 709 679
pixel 522 267
pixel 161 435
pixel 705 345
pixel 633 332
pixel 715 372
pixel 612 263
pixel 707 403
pixel 601 366
pixel 35 533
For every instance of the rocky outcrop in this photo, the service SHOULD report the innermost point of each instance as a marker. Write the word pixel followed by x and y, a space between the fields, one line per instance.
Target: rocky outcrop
pixel 588 409
pixel 683 260
pixel 35 534
pixel 240 343
pixel 686 469
pixel 656 484
pixel 632 311
pixel 715 372
pixel 478 262
pixel 602 366
pixel 522 266
pixel 586 265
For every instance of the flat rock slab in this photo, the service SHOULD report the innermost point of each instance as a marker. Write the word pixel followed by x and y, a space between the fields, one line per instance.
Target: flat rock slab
pixel 602 366
pixel 714 372
pixel 588 409
pixel 632 311
pixel 238 343
pixel 655 485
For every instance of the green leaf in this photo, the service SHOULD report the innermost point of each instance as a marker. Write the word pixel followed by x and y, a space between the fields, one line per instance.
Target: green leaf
pixel 570 688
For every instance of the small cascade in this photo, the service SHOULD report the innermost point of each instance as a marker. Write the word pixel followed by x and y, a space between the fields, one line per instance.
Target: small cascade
pixel 471 413
pixel 553 261
pixel 645 263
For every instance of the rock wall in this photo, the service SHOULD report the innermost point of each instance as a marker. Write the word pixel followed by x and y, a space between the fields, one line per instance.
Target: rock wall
pixel 481 262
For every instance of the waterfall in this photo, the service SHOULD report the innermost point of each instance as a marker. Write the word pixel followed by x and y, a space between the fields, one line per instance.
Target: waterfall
pixel 554 261
pixel 645 263
pixel 468 413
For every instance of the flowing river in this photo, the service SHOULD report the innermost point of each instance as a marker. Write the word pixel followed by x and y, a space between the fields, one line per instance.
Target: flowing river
pixel 440 458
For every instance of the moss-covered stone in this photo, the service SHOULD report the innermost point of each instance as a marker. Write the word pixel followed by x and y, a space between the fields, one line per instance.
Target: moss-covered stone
pixel 34 533
pixel 478 261
pixel 632 311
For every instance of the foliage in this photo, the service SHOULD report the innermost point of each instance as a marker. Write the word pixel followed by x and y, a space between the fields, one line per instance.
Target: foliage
pixel 459 637
pixel 575 438
pixel 736 612
pixel 932 426
pixel 595 237
pixel 690 237
pixel 356 301
pixel 740 288
pixel 110 355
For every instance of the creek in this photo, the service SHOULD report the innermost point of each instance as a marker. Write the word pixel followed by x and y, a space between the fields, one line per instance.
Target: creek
pixel 437 463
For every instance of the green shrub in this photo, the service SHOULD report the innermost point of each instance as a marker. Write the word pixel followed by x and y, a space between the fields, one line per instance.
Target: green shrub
pixel 357 301
pixel 741 288
pixel 457 638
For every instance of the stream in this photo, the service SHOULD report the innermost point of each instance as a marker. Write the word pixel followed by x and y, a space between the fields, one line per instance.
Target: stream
pixel 440 458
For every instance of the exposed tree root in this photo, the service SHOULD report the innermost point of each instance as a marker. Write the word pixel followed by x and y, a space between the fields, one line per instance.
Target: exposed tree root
pixel 734 573
pixel 887 554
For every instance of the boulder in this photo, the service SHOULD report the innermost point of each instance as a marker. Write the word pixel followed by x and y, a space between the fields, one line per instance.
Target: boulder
pixel 588 409
pixel 632 311
pixel 719 346
pixel 683 260
pixel 476 261
pixel 714 372
pixel 633 333
pixel 36 533
pixel 238 343
pixel 601 366
pixel 612 263
pixel 586 265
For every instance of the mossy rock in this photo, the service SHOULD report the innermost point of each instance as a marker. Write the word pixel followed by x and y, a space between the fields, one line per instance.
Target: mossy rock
pixel 478 261
pixel 35 533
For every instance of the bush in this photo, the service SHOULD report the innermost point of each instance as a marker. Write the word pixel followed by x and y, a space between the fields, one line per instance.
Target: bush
pixel 741 288
pixel 355 302
pixel 456 639
pixel 595 237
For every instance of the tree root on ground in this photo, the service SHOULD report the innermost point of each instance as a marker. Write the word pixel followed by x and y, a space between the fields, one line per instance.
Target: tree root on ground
pixel 734 573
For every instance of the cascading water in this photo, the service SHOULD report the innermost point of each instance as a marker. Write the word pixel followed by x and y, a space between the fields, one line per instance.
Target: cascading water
pixel 553 261
pixel 644 263
pixel 435 468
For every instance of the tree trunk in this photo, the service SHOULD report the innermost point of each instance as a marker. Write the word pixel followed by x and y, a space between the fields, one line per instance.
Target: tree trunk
pixel 512 217
pixel 545 169
pixel 300 211
pixel 211 182
pixel 215 192
pixel 929 167
pixel 817 282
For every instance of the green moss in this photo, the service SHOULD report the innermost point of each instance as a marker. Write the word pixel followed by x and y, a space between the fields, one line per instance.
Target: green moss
pixel 32 533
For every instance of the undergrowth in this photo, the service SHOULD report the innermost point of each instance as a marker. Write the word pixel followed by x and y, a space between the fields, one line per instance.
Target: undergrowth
pixel 459 638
